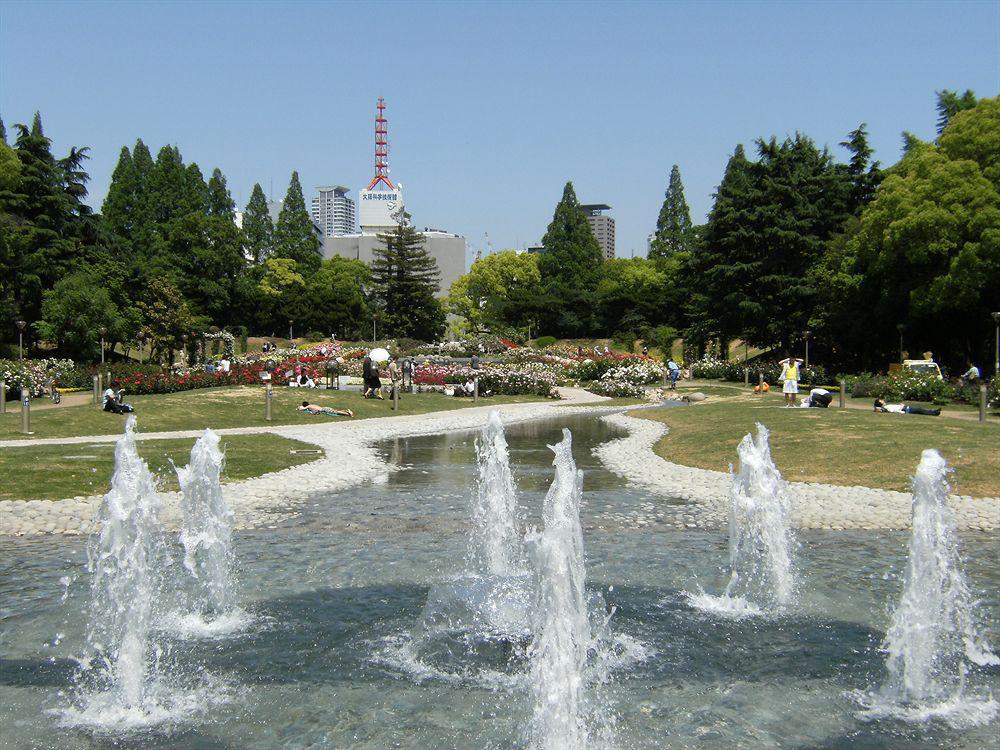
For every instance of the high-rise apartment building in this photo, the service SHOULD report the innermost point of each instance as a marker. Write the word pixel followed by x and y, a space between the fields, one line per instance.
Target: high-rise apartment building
pixel 603 227
pixel 334 212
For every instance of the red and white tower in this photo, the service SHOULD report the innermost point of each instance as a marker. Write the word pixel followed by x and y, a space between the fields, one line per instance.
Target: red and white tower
pixel 381 149
pixel 381 204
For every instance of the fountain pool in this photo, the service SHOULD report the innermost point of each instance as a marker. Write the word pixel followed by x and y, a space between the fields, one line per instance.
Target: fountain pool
pixel 328 589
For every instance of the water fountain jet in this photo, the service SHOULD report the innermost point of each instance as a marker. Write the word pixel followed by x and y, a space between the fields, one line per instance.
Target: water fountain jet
pixel 933 643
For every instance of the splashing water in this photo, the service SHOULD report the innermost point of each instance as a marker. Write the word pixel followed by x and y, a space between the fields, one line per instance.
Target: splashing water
pixel 564 714
pixel 494 544
pixel 129 682
pixel 760 539
pixel 207 540
pixel 932 642
pixel 475 625
pixel 123 560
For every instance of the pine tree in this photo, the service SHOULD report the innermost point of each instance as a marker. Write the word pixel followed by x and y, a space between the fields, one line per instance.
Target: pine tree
pixel 118 211
pixel 673 227
pixel 3 132
pixel 406 278
pixel 294 236
pixel 220 202
pixel 570 268
pixel 950 103
pixel 257 227
pixel 865 174
pixel 168 186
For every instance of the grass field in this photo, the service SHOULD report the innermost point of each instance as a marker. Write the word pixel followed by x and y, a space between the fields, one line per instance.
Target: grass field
pixel 51 472
pixel 219 408
pixel 836 446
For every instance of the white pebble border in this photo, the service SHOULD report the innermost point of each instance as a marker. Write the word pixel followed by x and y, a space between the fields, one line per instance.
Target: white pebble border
pixel 813 506
pixel 351 458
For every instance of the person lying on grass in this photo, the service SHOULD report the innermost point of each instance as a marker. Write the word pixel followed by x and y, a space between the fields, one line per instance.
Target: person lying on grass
pixel 328 411
pixel 882 406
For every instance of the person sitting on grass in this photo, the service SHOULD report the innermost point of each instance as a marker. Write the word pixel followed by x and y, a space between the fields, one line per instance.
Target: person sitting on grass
pixel 882 406
pixel 327 411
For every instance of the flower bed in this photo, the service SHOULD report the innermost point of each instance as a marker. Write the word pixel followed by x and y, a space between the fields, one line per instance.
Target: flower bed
pixel 617 389
pixel 636 373
pixel 33 374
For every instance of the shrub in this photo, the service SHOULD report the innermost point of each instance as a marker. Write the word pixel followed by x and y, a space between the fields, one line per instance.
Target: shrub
pixel 543 341
pixel 625 339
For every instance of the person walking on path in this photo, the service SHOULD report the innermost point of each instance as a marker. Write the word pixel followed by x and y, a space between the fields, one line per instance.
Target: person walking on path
pixel 790 378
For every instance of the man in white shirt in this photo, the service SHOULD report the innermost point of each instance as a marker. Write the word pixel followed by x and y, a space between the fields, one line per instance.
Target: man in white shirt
pixel 882 406
pixel 224 365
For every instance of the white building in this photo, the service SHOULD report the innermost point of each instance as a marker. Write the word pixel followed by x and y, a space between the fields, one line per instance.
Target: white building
pixel 333 211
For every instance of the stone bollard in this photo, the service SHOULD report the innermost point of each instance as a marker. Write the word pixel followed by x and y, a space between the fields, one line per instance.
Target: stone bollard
pixel 25 412
pixel 268 395
pixel 760 384
pixel 746 376
pixel 97 389
pixel 982 402
pixel 3 397
pixel 843 393
pixel 395 396
pixel 475 390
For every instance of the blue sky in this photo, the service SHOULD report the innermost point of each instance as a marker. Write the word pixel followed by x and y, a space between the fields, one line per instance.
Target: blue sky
pixel 491 106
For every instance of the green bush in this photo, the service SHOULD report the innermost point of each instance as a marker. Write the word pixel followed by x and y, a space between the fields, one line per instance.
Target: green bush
pixel 617 389
pixel 661 337
pixel 544 341
pixel 626 340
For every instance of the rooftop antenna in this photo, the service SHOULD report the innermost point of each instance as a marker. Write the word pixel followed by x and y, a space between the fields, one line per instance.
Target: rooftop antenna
pixel 381 149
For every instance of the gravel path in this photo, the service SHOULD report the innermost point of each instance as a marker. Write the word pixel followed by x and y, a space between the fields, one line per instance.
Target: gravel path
pixel 705 494
pixel 351 458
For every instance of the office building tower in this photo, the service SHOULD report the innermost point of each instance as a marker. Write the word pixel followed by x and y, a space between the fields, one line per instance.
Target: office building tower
pixel 603 227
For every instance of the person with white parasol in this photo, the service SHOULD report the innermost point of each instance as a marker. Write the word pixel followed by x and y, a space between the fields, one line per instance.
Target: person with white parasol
pixel 373 385
pixel 790 378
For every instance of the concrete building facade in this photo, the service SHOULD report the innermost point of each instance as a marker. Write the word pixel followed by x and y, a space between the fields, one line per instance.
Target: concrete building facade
pixel 603 227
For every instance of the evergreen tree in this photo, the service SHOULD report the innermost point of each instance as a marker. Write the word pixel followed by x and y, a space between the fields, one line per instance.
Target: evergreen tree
pixel 220 202
pixel 405 277
pixel 865 174
pixel 257 227
pixel 570 269
pixel 950 103
pixel 119 209
pixel 673 227
pixel 295 236
pixel 168 186
pixel 195 191
pixel 3 132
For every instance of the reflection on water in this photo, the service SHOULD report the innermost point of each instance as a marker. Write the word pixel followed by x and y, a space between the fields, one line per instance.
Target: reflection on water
pixel 329 588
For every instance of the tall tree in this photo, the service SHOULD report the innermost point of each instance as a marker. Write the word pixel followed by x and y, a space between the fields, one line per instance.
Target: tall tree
pixel 950 103
pixel 570 267
pixel 673 226
pixel 168 186
pixel 195 198
pixel 220 202
pixel 257 227
pixel 865 174
pixel 295 236
pixel 405 278
pixel 119 209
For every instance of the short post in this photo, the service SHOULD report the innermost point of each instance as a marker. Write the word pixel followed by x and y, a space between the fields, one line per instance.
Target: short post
pixel 666 375
pixel 760 385
pixel 843 393
pixel 3 397
pixel 25 412
pixel 982 402
pixel 475 390
pixel 395 396
pixel 746 376
pixel 97 389
pixel 268 395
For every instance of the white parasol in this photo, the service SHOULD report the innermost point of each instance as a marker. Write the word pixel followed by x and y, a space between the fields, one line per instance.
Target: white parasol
pixel 379 355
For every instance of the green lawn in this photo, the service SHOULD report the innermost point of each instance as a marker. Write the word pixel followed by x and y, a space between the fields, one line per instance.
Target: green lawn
pixel 51 472
pixel 837 446
pixel 219 408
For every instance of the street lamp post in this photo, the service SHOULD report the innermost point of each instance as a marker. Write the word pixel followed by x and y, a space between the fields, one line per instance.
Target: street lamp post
pixel 289 333
pixel 102 330
pixel 808 335
pixel 901 327
pixel 20 338
pixel 996 361
pixel 142 348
